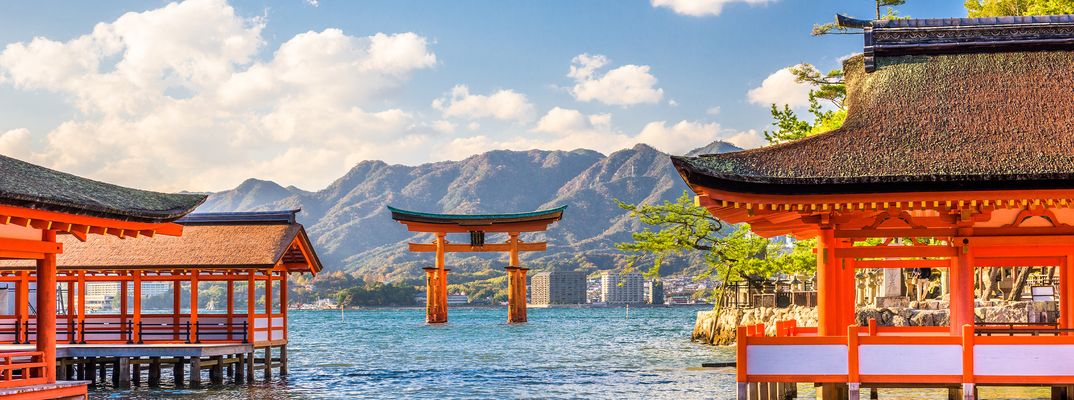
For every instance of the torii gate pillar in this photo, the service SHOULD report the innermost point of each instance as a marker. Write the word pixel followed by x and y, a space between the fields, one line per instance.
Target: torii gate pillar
pixel 436 285
pixel 516 285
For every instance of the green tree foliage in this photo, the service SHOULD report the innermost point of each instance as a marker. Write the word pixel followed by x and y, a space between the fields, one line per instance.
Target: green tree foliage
pixel 729 253
pixel 1000 8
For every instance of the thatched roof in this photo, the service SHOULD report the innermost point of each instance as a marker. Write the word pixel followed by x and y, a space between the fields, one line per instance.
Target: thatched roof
pixel 205 244
pixel 989 120
pixel 27 185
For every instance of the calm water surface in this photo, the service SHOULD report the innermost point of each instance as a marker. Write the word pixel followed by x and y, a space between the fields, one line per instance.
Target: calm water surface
pixel 560 353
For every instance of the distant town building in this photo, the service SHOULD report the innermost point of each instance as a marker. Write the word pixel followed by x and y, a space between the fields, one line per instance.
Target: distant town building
pixel 654 291
pixel 618 288
pixel 558 287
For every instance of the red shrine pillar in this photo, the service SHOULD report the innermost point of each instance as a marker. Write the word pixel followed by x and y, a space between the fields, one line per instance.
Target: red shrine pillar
pixel 1066 292
pixel 828 288
pixel 46 308
pixel 516 285
pixel 961 282
pixel 436 285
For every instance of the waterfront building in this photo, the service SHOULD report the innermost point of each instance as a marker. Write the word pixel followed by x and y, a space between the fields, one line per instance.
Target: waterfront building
pixel 476 226
pixel 959 136
pixel 38 205
pixel 558 287
pixel 248 254
pixel 654 291
pixel 616 288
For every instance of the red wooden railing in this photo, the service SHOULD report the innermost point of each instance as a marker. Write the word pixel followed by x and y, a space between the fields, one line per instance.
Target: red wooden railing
pixel 21 368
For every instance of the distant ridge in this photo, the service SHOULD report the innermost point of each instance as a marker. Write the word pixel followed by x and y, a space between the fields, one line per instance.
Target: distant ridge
pixel 352 230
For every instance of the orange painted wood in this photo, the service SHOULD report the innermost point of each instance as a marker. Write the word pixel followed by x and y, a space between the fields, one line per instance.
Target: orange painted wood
pixel 827 285
pixel 911 379
pixel 283 303
pixel 20 255
pixel 30 246
pixel 740 354
pixel 69 221
pixel 123 309
pixel 852 354
pixel 1024 380
pixel 136 277
pixel 967 352
pixel 961 291
pixel 1017 261
pixel 869 264
pixel 915 340
pixel 46 309
pixel 268 305
pixel 1034 241
pixel 795 340
pixel 250 305
pixel 797 378
pixel 194 305
pixel 895 251
pixel 487 248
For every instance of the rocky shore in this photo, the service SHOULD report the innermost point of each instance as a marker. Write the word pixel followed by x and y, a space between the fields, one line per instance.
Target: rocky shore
pixel 719 330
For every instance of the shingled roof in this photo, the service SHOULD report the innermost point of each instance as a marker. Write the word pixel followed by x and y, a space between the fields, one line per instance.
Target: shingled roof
pixel 210 241
pixel 977 118
pixel 27 185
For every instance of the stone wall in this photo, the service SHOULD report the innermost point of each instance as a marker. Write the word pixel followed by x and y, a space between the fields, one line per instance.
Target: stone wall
pixel 720 330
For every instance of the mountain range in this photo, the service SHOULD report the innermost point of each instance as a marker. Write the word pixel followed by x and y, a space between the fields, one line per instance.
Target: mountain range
pixel 352 229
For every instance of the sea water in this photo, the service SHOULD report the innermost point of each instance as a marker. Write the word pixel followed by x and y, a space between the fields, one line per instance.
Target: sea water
pixel 590 353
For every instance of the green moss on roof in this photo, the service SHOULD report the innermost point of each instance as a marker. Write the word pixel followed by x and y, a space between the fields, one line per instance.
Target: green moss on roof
pixel 27 185
pixel 956 121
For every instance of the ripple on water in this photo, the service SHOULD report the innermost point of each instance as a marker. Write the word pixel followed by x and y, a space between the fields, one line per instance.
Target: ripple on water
pixel 560 353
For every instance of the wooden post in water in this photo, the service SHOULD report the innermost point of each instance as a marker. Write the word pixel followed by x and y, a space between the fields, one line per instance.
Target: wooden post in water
pixel 154 372
pixel 516 284
pixel 195 371
pixel 268 363
pixel 177 371
pixel 436 285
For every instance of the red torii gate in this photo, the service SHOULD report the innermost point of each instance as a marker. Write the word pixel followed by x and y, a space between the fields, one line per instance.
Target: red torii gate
pixel 476 225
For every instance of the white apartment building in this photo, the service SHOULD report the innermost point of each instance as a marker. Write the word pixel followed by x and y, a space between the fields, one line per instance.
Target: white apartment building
pixel 618 288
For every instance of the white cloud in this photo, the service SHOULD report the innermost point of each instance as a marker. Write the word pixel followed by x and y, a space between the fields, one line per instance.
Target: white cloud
pixel 568 129
pixel 444 126
pixel 622 86
pixel 747 140
pixel 313 3
pixel 15 143
pixel 183 98
pixel 780 88
pixel 505 105
pixel 714 110
pixel 701 8
pixel 680 137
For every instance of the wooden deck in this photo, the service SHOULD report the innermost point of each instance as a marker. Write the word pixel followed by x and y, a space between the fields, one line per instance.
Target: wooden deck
pixel 58 390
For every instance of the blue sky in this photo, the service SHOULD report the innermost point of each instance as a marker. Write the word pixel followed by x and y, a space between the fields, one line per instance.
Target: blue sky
pixel 201 95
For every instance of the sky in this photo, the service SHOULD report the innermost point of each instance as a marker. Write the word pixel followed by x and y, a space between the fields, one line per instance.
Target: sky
pixel 200 95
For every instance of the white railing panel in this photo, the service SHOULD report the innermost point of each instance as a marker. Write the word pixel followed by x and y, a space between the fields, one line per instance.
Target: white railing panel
pixel 1023 360
pixel 826 359
pixel 908 359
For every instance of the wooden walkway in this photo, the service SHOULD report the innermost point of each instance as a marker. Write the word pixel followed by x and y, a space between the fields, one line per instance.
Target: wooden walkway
pixel 224 362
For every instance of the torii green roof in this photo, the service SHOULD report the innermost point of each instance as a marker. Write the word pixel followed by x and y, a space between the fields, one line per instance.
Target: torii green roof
pixel 553 214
